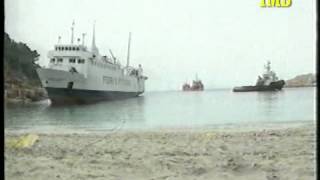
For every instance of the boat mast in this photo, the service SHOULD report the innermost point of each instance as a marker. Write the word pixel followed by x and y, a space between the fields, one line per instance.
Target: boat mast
pixel 128 55
pixel 268 66
pixel 83 35
pixel 59 39
pixel 72 29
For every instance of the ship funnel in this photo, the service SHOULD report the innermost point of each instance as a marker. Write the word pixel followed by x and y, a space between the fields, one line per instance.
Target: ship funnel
pixel 94 49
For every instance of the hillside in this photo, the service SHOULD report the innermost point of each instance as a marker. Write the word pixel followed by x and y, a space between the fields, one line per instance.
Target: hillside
pixel 303 80
pixel 21 80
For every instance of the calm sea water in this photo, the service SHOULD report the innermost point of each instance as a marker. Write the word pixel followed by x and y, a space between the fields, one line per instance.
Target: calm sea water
pixel 171 110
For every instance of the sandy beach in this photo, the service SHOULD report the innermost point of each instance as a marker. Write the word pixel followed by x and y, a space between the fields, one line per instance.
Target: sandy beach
pixel 266 154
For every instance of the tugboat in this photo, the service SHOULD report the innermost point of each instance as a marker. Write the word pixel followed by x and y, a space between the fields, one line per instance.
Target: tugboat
pixel 268 82
pixel 197 85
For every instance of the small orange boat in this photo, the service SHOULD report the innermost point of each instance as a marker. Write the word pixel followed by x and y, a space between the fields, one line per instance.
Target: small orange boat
pixel 197 85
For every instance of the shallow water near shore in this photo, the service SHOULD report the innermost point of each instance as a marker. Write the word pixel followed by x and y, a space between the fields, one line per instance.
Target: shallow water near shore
pixel 172 109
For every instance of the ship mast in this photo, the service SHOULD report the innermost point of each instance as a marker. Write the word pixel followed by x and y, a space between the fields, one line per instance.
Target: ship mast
pixel 59 39
pixel 128 55
pixel 268 66
pixel 72 29
pixel 83 35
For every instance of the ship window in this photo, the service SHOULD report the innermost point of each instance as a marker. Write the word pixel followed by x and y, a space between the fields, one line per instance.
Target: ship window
pixel 78 48
pixel 72 60
pixel 60 60
pixel 80 61
pixel 74 48
pixel 62 48
pixel 52 60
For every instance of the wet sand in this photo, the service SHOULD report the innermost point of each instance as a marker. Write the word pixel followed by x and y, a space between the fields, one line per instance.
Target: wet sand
pixel 266 154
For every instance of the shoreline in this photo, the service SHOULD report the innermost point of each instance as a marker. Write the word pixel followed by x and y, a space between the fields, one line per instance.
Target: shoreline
pixel 231 127
pixel 266 153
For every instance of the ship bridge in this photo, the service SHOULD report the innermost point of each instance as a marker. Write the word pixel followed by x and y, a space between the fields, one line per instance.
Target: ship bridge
pixel 69 57
pixel 70 47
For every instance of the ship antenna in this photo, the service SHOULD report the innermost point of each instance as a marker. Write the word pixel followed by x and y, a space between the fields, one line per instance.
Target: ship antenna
pixel 72 29
pixel 128 55
pixel 59 38
pixel 83 35
pixel 268 66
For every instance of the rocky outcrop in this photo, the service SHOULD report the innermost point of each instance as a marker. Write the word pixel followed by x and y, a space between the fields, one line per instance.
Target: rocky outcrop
pixel 304 80
pixel 15 93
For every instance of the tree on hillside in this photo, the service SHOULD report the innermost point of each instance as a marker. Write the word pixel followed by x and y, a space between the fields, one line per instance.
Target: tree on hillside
pixel 19 61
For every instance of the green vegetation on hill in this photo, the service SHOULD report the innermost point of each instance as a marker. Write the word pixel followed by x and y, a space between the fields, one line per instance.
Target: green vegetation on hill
pixel 21 79
pixel 19 62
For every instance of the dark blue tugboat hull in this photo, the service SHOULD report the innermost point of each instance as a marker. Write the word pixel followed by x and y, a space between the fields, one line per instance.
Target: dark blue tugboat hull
pixel 274 86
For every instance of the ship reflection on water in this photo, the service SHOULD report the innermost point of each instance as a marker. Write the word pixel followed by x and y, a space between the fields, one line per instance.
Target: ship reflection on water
pixel 105 115
pixel 269 101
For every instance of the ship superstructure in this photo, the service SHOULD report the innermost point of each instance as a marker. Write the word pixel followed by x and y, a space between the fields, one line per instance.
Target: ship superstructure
pixel 268 76
pixel 78 75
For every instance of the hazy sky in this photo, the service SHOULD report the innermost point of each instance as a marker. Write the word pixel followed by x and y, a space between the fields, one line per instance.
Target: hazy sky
pixel 225 42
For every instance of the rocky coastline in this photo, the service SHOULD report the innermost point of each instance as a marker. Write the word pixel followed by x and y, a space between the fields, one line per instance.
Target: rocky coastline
pixel 22 94
pixel 303 80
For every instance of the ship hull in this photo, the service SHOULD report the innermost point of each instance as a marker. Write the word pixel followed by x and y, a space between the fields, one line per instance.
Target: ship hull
pixel 274 86
pixel 59 96
pixel 192 89
pixel 74 88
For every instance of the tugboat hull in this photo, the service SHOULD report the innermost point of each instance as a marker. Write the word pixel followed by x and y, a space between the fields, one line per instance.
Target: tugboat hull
pixel 274 86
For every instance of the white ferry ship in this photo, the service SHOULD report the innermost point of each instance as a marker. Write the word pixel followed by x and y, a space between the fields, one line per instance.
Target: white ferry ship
pixel 78 75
